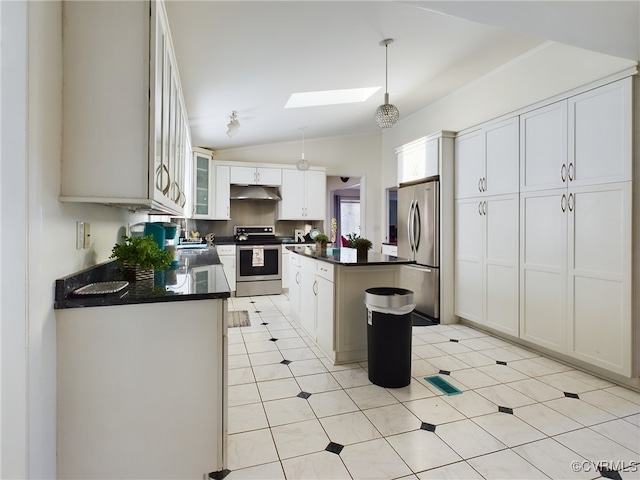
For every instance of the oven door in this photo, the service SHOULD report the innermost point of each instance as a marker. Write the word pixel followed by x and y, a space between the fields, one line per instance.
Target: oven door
pixel 258 262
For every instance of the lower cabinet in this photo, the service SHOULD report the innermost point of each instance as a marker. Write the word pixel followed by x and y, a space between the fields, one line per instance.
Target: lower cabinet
pixel 227 255
pixel 317 301
pixel 294 286
pixel 576 273
pixel 284 271
pixel 486 244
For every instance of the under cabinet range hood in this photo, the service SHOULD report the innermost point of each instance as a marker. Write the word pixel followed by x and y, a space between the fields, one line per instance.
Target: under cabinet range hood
pixel 254 192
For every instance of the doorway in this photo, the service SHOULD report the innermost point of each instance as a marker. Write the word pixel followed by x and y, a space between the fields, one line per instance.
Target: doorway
pixel 345 208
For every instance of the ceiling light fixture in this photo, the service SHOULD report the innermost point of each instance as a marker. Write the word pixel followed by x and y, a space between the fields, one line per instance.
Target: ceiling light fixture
pixel 233 126
pixel 302 164
pixel 386 115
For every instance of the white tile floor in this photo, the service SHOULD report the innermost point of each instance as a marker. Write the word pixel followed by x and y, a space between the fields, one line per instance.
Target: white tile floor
pixel 309 419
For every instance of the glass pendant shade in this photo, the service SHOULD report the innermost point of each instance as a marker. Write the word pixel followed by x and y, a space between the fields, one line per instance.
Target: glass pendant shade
pixel 387 115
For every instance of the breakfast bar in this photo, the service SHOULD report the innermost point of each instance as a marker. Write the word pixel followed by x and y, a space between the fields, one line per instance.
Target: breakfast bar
pixel 326 292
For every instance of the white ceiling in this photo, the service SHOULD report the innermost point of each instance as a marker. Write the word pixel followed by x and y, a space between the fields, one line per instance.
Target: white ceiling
pixel 250 56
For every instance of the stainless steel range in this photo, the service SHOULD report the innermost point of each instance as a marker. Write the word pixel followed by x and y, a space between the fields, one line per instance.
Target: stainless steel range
pixel 258 261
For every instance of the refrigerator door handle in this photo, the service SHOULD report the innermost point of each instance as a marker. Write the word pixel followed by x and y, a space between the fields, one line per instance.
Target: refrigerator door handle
pixel 418 224
pixel 410 226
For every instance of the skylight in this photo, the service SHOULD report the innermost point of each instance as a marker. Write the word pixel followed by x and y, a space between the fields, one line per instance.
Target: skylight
pixel 330 97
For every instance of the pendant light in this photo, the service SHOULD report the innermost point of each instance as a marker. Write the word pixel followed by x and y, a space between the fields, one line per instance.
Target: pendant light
pixel 386 115
pixel 302 164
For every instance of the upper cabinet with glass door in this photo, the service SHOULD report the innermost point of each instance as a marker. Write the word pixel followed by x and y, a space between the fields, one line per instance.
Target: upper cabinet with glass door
pixel 126 137
pixel 211 199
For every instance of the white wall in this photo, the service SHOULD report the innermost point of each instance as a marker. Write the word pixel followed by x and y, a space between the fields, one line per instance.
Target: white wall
pixel 35 221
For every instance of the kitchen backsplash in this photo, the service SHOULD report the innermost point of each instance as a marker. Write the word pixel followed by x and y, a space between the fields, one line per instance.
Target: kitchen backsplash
pixel 249 212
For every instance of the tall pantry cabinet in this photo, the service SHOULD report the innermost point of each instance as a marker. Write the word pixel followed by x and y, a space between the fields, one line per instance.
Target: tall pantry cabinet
pixel 571 291
pixel 126 137
pixel 576 225
pixel 486 232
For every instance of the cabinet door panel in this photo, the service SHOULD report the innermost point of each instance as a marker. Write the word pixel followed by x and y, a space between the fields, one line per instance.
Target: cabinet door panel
pixel 600 123
pixel 599 273
pixel 469 283
pixel 292 193
pixel 501 150
pixel 269 176
pixel 308 299
pixel 469 164
pixel 543 147
pixel 543 251
pixel 221 195
pixel 325 314
pixel 316 187
pixel 243 175
pixel 501 263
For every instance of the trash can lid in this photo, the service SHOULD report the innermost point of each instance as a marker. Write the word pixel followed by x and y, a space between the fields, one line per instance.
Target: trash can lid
pixel 388 297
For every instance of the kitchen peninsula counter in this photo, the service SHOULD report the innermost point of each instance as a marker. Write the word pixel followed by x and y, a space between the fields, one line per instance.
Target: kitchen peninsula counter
pixel 326 293
pixel 198 276
pixel 141 374
pixel 347 256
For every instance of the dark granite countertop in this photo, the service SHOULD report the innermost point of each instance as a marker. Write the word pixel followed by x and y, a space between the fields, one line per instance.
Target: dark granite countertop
pixel 199 276
pixel 348 257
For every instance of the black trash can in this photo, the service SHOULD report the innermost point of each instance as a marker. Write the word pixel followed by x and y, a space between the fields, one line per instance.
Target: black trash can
pixel 389 335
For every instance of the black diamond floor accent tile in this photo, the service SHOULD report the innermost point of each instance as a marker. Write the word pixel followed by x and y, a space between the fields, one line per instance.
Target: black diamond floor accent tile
pixel 505 410
pixel 252 301
pixel 264 323
pixel 220 474
pixel 304 395
pixel 273 339
pixel 571 395
pixel 453 340
pixel 334 448
pixel 429 427
pixel 258 311
pixel 445 372
pixel 500 362
pixel 606 473
pixel 285 362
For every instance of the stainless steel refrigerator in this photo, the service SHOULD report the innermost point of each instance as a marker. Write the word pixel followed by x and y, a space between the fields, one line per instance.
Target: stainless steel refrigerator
pixel 419 240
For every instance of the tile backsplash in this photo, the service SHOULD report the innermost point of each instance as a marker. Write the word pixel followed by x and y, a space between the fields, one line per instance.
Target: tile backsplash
pixel 251 212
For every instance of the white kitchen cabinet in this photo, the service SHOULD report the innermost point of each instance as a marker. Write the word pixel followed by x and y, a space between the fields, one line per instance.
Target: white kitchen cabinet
pixel 126 138
pixel 211 192
pixel 486 245
pixel 417 160
pixel 585 140
pixel 600 129
pixel 227 255
pixel 486 160
pixel 543 148
pixel 317 296
pixel 576 273
pixel 285 267
pixel 256 176
pixel 303 195
pixel 295 286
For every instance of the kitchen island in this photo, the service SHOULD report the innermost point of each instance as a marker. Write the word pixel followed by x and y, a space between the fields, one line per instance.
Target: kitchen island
pixel 326 292
pixel 142 373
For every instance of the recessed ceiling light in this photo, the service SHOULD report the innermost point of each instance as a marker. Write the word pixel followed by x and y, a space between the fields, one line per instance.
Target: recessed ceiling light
pixel 330 97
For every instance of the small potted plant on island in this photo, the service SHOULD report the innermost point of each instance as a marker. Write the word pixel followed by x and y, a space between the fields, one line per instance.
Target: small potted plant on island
pixel 139 257
pixel 362 245
pixel 321 243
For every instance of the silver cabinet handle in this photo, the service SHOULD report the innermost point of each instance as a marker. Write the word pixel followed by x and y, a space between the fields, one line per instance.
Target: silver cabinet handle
pixel 315 288
pixel 571 202
pixel 571 171
pixel 258 177
pixel 484 208
pixel 480 184
pixel 563 173
pixel 479 208
pixel 298 278
pixel 563 202
pixel 484 184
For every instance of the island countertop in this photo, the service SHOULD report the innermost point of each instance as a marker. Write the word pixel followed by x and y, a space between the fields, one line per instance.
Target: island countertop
pixel 198 276
pixel 348 256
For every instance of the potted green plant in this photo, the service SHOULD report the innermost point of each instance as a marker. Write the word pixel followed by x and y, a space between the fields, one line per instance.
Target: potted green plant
pixel 139 257
pixel 321 242
pixel 362 245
